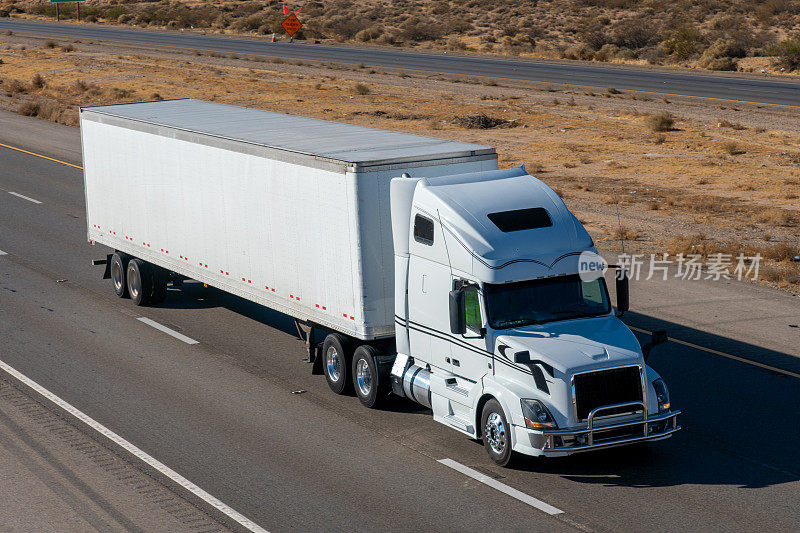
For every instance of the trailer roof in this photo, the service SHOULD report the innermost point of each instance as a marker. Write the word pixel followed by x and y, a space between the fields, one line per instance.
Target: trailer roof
pixel 333 141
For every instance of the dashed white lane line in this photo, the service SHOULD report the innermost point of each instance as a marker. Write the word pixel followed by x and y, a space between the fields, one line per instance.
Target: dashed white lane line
pixel 505 489
pixel 165 329
pixel 3 253
pixel 130 448
pixel 18 195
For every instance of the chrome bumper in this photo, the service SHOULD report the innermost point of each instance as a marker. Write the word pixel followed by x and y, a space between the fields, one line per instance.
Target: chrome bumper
pixel 558 442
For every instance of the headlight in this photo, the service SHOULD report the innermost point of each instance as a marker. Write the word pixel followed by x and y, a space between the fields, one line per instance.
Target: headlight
pixel 662 395
pixel 536 415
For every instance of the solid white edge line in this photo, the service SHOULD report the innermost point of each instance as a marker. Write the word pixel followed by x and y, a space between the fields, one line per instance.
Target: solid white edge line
pixel 505 489
pixel 165 329
pixel 130 448
pixel 18 195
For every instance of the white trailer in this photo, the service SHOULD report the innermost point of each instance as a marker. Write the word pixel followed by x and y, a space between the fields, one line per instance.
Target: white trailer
pixel 434 275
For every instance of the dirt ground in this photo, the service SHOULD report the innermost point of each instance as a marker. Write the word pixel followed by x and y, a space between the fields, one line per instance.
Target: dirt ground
pixel 724 177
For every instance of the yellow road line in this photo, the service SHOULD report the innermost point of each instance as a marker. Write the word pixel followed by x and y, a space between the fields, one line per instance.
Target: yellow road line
pixel 274 54
pixel 726 355
pixel 40 155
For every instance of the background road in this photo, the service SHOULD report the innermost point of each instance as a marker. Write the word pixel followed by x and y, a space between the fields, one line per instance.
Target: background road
pixel 706 85
pixel 222 413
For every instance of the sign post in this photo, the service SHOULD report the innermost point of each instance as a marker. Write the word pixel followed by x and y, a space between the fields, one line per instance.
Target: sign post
pixel 77 6
pixel 292 25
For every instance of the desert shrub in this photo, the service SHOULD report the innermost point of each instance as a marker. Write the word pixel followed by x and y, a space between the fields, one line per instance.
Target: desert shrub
pixel 37 81
pixel 660 122
pixel 788 53
pixel 28 109
pixel 483 122
pixel 360 88
pixel 369 34
pixel 342 27
pixel 722 63
pixel 635 33
pixel 124 18
pixel 607 53
pixel 580 51
pixel 119 93
pixel 14 86
pixel 773 216
pixel 719 56
pixel 683 42
pixel 49 44
pixel 596 37
pixel 457 25
pixel 418 29
pixel 730 148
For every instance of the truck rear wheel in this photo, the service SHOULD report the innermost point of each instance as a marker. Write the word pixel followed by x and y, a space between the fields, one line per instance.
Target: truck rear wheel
pixel 336 357
pixel 140 281
pixel 496 432
pixel 371 385
pixel 119 265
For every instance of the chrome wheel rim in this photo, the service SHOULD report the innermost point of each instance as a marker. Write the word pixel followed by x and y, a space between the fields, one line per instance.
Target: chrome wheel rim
pixel 133 283
pixel 495 433
pixel 116 275
pixel 363 377
pixel 333 364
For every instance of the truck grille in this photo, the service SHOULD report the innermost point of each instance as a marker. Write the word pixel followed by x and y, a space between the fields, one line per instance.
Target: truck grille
pixel 606 387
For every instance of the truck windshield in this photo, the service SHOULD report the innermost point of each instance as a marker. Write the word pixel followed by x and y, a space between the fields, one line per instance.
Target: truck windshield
pixel 545 300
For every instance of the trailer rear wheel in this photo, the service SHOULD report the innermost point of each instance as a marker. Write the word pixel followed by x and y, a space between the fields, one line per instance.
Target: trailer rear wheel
pixel 140 281
pixel 496 432
pixel 370 383
pixel 160 279
pixel 119 264
pixel 336 357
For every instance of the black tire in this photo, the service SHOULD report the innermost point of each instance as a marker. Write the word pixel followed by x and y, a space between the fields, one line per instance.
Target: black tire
pixel 336 358
pixel 160 279
pixel 496 433
pixel 140 281
pixel 370 381
pixel 119 277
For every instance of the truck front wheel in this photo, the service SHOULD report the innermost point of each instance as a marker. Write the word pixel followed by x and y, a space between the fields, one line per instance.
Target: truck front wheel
pixel 496 432
pixel 140 281
pixel 336 359
pixel 369 382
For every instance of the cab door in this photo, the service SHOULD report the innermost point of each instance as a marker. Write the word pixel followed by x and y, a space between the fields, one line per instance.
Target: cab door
pixel 469 356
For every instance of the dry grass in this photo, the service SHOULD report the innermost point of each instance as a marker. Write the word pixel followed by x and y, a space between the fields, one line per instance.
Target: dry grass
pixel 625 233
pixel 615 156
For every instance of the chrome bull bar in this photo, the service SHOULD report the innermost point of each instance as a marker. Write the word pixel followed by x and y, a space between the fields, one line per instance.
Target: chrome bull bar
pixel 592 438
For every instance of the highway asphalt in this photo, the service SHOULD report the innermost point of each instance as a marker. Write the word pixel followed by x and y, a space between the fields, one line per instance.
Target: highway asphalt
pixel 747 88
pixel 223 414
pixel 57 479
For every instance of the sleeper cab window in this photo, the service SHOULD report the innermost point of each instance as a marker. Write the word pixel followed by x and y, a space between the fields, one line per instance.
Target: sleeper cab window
pixel 423 230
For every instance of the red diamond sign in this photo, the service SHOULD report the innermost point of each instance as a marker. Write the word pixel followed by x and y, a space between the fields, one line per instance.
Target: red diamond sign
pixel 292 24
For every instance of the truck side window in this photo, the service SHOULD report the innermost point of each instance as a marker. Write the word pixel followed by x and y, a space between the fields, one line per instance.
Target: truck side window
pixel 473 309
pixel 423 230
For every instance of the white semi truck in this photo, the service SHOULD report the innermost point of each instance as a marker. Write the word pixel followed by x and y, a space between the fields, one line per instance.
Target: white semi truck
pixel 428 272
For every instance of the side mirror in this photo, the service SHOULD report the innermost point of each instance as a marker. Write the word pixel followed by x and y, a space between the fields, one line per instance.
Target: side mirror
pixel 657 337
pixel 458 313
pixel 523 358
pixel 623 291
